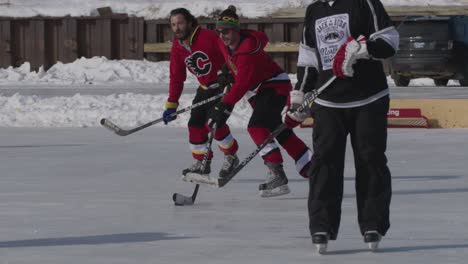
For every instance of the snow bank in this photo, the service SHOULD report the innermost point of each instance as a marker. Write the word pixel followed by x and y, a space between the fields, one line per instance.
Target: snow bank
pixel 156 9
pixel 97 70
pixel 86 110
pixel 126 110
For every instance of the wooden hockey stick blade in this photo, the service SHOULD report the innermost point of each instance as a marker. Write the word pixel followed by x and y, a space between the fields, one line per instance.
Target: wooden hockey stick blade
pixel 200 179
pixel 113 127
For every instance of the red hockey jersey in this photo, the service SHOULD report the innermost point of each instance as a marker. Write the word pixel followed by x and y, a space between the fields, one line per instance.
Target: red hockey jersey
pixel 253 68
pixel 202 58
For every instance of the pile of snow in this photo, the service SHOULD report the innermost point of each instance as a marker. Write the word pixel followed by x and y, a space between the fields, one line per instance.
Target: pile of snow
pixel 97 70
pixel 86 110
pixel 156 9
pixel 126 110
pixel 100 71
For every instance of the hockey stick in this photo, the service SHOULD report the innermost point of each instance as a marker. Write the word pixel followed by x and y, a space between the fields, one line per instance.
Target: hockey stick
pixel 180 199
pixel 123 132
pixel 305 105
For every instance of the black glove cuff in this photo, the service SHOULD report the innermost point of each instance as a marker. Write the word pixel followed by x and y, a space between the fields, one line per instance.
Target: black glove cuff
pixel 225 108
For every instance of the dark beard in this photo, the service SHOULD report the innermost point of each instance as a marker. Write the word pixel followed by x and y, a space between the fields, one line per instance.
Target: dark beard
pixel 186 35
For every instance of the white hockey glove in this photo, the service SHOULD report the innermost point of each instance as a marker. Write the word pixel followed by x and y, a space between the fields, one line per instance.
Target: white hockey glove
pixel 296 98
pixel 293 118
pixel 348 54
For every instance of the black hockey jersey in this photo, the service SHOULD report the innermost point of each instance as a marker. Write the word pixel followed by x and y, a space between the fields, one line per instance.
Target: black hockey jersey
pixel 327 26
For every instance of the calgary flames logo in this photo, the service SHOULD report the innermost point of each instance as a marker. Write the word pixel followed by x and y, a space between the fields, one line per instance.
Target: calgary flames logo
pixel 199 63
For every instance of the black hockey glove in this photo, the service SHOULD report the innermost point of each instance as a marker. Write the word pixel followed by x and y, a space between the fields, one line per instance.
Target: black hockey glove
pixel 219 114
pixel 224 77
pixel 170 108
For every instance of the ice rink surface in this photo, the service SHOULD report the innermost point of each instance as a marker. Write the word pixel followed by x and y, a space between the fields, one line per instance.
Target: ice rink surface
pixel 85 195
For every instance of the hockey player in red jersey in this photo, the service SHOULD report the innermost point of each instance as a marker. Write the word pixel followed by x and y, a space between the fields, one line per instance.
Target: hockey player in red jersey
pixel 266 86
pixel 195 49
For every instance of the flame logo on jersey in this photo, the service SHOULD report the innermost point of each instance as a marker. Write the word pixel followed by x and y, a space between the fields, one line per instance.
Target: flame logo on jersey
pixel 198 63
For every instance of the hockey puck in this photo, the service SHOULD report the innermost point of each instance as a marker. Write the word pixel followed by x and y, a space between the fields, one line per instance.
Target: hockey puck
pixel 176 201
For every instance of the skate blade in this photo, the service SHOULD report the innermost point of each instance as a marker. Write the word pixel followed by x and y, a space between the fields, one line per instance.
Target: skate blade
pixel 321 248
pixel 373 246
pixel 200 179
pixel 278 191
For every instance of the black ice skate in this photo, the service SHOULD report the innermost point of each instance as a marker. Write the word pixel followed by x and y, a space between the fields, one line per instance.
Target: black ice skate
pixel 320 240
pixel 276 183
pixel 230 162
pixel 197 174
pixel 372 238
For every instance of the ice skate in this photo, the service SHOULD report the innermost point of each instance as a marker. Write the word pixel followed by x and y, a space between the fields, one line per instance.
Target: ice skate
pixel 320 240
pixel 276 183
pixel 230 162
pixel 372 238
pixel 197 174
pixel 197 168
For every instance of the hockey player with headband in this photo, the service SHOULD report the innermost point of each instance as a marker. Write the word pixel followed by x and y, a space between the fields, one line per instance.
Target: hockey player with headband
pixel 348 39
pixel 266 86
pixel 195 49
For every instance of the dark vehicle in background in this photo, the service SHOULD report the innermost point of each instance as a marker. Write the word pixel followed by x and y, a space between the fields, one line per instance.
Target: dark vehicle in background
pixel 431 48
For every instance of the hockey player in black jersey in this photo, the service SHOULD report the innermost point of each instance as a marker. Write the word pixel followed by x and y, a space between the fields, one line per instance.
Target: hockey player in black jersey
pixel 347 39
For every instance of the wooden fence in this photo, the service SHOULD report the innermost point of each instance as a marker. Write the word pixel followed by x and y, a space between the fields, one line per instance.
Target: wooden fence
pixel 43 41
pixel 284 35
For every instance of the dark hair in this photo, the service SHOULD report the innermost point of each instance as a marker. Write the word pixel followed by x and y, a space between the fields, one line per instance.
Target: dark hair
pixel 184 12
pixel 230 12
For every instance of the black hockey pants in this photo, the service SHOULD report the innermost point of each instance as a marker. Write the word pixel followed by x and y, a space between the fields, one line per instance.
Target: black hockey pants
pixel 367 127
